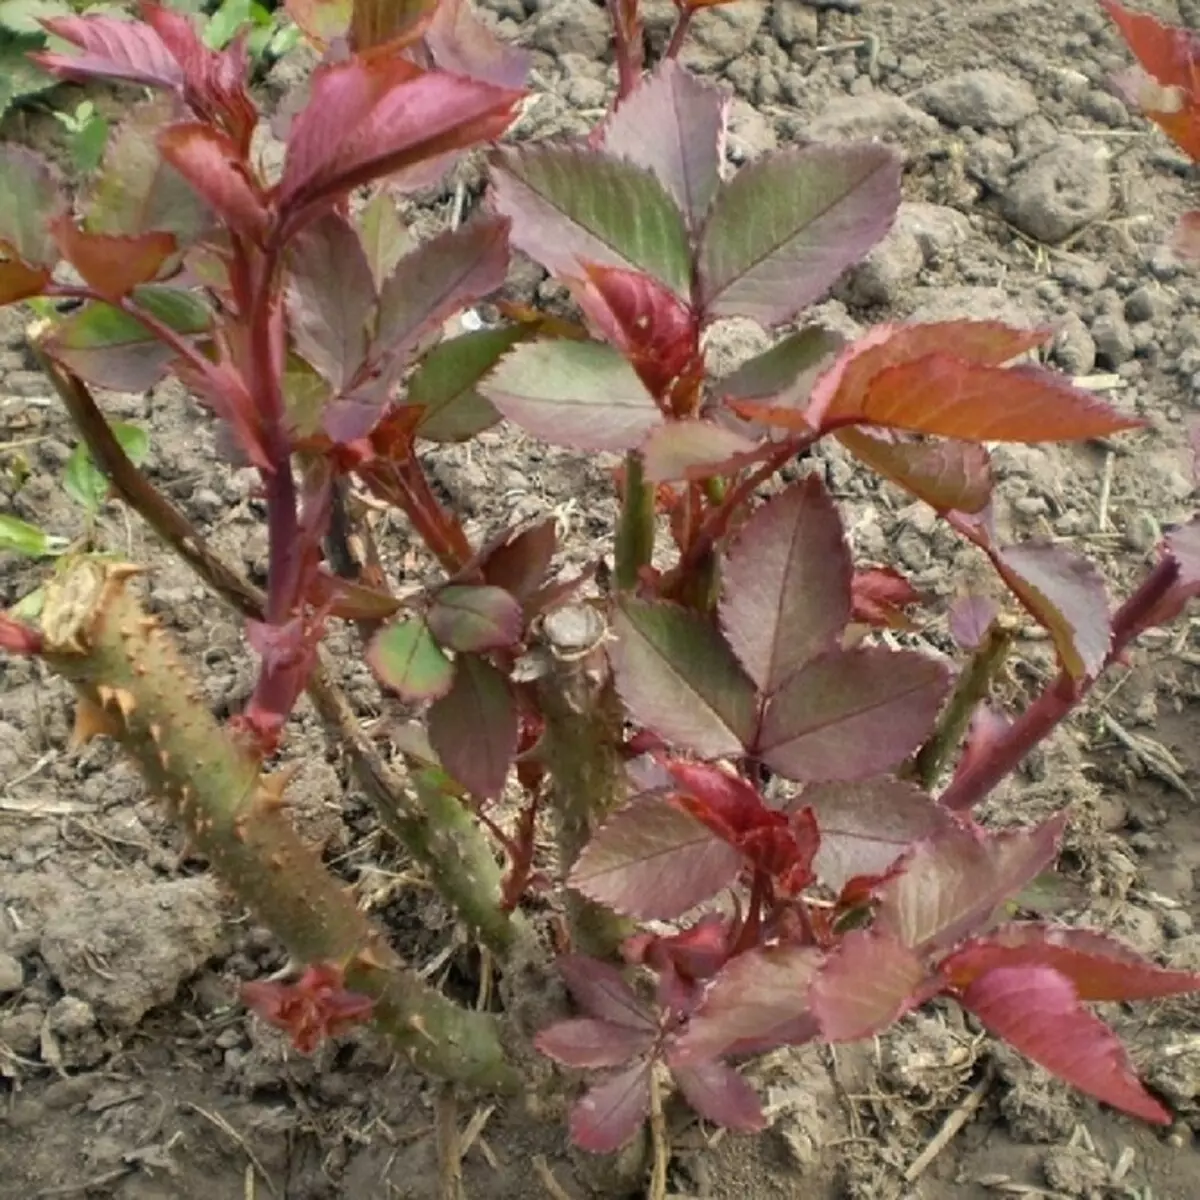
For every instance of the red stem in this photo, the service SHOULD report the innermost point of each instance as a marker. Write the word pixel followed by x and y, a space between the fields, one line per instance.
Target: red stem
pixel 404 484
pixel 628 64
pixel 680 32
pixel 1060 697
pixel 716 523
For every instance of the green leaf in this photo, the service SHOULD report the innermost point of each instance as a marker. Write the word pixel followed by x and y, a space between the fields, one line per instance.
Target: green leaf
pixel 385 240
pixel 224 24
pixel 571 206
pixel 474 727
pixel 783 230
pixel 20 77
pixel 678 678
pixel 405 657
pixel 87 144
pixel 20 537
pixel 83 480
pixel 445 384
pixel 29 197
pixel 137 190
pixel 29 608
pixel 109 348
pixel 305 395
pixel 25 16
pixel 475 618
pixel 784 374
pixel 579 394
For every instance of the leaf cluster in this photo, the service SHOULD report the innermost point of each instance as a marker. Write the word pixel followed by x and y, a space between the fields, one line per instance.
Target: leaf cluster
pixel 788 824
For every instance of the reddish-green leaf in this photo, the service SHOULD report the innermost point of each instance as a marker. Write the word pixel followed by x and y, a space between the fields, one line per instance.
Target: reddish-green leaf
pixel 368 118
pixel 679 678
pixel 108 348
pixel 681 450
pixel 849 715
pixel 446 384
pixel 945 474
pixel 30 197
pixel 946 396
pixel 570 206
pixel 654 861
pixel 945 379
pixel 866 985
pixel 1171 57
pixel 137 189
pixel 474 727
pixel 952 885
pixel 878 596
pixel 609 1114
pixel 405 657
pixel 655 330
pixel 579 394
pixel 970 618
pixel 842 390
pixel 112 265
pixel 520 561
pixel 331 298
pixel 1170 53
pixel 756 995
pixel 113 48
pixel 720 1095
pixel 783 375
pixel 1101 968
pixel 17 281
pixel 674 125
pixel 461 43
pixel 438 279
pixel 781 233
pixel 866 827
pixel 601 991
pixel 1037 1010
pixel 475 618
pixel 385 239
pixel 210 162
pixel 588 1044
pixel 1065 593
pixel 786 594
pixel 350 601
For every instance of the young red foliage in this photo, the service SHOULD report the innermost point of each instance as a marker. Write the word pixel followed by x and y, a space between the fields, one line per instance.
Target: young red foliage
pixel 812 891
pixel 311 1009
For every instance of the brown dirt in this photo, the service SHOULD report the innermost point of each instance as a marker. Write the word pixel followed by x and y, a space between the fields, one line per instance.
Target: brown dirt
pixel 126 1066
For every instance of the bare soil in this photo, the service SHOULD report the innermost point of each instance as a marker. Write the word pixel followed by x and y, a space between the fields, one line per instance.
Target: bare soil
pixel 128 1070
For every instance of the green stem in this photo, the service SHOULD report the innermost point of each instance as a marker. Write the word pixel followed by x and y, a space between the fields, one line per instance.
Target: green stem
pixel 583 733
pixel 635 533
pixel 131 684
pixel 456 859
pixel 973 687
